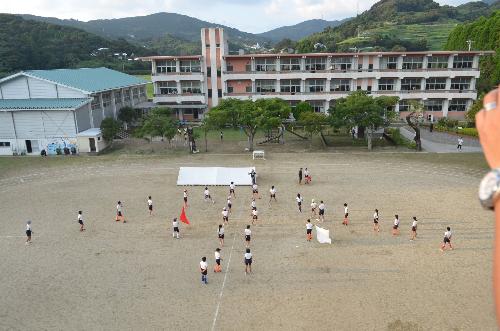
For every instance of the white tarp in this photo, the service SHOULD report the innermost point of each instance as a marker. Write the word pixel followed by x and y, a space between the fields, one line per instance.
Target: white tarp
pixel 323 235
pixel 214 176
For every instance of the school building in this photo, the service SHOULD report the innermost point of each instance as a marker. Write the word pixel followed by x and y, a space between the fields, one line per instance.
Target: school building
pixel 444 81
pixel 56 109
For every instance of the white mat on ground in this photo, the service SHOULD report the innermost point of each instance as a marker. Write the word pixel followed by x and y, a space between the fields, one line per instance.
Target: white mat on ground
pixel 214 176
pixel 323 235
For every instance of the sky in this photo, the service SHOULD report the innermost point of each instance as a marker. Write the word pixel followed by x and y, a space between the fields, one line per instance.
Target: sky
pixel 247 15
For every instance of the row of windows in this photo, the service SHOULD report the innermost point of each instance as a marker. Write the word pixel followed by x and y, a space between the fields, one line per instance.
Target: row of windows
pixel 384 84
pixel 184 66
pixel 106 97
pixel 187 87
pixel 436 105
pixel 347 63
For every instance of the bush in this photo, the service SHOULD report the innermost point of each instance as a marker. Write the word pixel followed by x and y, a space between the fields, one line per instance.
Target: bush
pixel 400 140
pixel 469 132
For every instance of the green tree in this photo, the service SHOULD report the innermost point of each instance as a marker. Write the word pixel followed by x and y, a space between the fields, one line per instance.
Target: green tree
pixel 159 123
pixel 127 115
pixel 361 110
pixel 300 108
pixel 470 115
pixel 414 119
pixel 313 123
pixel 250 116
pixel 109 128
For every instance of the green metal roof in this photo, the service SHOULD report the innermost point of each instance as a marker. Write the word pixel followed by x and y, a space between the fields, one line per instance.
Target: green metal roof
pixel 42 104
pixel 88 79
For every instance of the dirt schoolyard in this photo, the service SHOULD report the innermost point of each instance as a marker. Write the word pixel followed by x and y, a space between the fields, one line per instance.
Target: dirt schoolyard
pixel 118 276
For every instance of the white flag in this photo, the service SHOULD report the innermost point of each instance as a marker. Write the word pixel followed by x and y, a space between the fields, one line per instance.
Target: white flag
pixel 323 235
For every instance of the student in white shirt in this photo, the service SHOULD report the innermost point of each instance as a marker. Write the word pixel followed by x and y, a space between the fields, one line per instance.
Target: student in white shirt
pixel 309 228
pixel 203 270
pixel 248 235
pixel 80 221
pixel 28 232
pixel 185 194
pixel 376 226
pixel 307 176
pixel 272 194
pixel 119 212
pixel 225 215
pixel 460 143
pixel 229 203
pixel 255 216
pixel 414 228
pixel 255 191
pixel 447 239
pixel 231 190
pixel 208 197
pixel 150 205
pixel 346 215
pixel 299 200
pixel 253 204
pixel 314 206
pixel 321 209
pixel 248 261
pixel 175 226
pixel 218 258
pixel 220 235
pixel 395 227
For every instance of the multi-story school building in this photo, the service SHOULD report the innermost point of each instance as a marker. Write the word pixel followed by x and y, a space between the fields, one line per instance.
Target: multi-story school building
pixel 444 81
pixel 56 109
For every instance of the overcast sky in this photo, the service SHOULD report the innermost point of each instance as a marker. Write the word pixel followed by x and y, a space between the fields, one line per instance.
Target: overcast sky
pixel 247 15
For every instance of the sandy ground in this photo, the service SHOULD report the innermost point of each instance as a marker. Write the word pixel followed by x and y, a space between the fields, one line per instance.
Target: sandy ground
pixel 135 276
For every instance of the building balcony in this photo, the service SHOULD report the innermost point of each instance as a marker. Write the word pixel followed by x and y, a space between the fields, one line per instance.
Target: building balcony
pixel 177 76
pixel 180 98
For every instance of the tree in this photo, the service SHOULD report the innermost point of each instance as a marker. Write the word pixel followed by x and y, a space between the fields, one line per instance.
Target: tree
pixel 313 123
pixel 360 109
pixel 470 115
pixel 109 128
pixel 249 115
pixel 414 119
pixel 159 122
pixel 300 108
pixel 127 115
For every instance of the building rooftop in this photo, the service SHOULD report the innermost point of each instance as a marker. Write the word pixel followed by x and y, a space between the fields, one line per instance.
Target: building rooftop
pixel 42 104
pixel 88 79
pixel 93 132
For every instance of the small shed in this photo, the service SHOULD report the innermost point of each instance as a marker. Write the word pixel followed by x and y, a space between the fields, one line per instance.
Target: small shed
pixel 90 141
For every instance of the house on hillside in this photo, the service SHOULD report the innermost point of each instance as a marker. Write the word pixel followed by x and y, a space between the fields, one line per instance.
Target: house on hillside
pixel 48 109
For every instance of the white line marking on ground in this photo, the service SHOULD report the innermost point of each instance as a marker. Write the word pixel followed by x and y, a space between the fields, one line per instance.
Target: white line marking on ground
pixel 223 284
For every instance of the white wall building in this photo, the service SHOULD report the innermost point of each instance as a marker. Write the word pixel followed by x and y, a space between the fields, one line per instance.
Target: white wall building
pixel 46 109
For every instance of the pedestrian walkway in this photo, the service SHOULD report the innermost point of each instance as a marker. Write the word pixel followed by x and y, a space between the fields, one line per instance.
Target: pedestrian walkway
pixel 442 142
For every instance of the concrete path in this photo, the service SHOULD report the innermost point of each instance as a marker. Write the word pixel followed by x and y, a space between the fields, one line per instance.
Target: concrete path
pixel 441 142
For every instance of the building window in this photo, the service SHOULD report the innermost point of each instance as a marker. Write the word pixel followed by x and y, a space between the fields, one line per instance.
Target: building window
pixel 248 67
pixel 460 83
pixel 433 105
pixel 96 103
pixel 412 62
pixel 463 61
pixel 4 143
pixel 142 92
pixel 315 85
pixel 126 95
pixel 167 88
pixel 435 83
pixel 265 86
pixel 265 65
pixel 135 93
pixel 229 68
pixel 409 84
pixel 293 104
pixel 341 63
pixel 389 63
pixel 165 66
pixel 118 97
pixel 338 85
pixel 386 84
pixel 248 89
pixel 458 105
pixel 190 66
pixel 315 63
pixel 106 100
pixel 437 62
pixel 290 85
pixel 190 87
pixel 290 64
pixel 318 106
pixel 230 89
pixel 404 105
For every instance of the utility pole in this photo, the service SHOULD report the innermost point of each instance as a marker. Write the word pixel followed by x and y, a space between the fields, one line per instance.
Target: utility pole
pixel 469 43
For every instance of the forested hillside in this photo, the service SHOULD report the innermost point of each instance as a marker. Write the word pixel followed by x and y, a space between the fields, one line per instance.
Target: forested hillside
pixel 26 44
pixel 485 34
